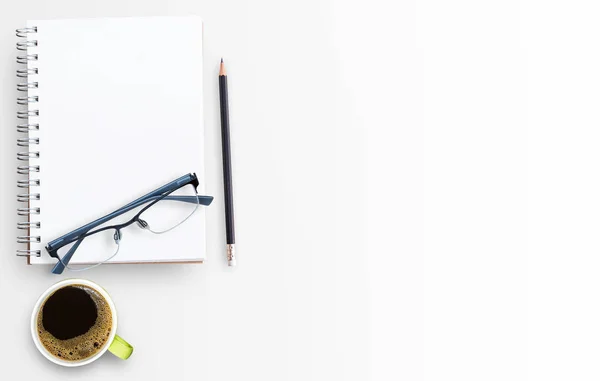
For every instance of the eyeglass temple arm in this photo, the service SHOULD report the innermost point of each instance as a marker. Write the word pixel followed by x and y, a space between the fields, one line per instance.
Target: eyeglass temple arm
pixel 62 262
pixel 202 200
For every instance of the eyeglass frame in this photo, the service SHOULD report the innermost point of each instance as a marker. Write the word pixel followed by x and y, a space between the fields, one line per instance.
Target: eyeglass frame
pixel 79 234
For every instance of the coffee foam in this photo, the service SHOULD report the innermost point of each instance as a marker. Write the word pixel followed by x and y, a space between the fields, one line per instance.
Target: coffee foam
pixel 83 346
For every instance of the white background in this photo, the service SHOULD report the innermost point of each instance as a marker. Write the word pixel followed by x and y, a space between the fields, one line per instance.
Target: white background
pixel 416 195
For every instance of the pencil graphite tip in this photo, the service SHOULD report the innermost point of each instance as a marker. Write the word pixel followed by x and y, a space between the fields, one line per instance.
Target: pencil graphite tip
pixel 222 68
pixel 221 59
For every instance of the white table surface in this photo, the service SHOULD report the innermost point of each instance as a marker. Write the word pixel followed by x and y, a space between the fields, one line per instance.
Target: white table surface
pixel 416 198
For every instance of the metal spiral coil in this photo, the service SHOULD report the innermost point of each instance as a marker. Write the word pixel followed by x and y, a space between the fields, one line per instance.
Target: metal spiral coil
pixel 23 60
pixel 22 32
pixel 24 142
pixel 25 45
pixel 26 127
pixel 29 253
pixel 28 225
pixel 24 73
pixel 26 169
pixel 27 100
pixel 28 183
pixel 25 86
pixel 28 239
pixel 27 211
pixel 26 197
pixel 30 125
pixel 25 114
pixel 25 156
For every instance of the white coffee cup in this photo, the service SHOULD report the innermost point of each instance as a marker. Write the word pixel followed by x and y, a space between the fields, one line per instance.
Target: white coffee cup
pixel 115 343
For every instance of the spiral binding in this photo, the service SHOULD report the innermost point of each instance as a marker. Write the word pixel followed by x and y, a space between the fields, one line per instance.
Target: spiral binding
pixel 29 115
pixel 27 211
pixel 23 60
pixel 26 127
pixel 25 197
pixel 26 169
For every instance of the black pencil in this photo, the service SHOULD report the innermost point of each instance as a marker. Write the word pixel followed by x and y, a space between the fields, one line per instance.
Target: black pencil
pixel 227 183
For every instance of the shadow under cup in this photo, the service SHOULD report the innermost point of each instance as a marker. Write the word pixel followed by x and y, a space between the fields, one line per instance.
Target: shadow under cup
pixel 74 322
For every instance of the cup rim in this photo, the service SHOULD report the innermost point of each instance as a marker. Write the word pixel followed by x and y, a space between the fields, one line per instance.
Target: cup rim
pixel 42 299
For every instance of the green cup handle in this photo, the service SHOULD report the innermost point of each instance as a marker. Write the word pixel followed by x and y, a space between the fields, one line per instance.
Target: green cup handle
pixel 120 348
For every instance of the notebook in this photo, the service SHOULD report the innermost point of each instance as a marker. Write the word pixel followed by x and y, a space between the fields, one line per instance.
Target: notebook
pixel 110 109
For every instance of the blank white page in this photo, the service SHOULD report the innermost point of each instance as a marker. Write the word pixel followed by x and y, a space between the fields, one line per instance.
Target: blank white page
pixel 120 103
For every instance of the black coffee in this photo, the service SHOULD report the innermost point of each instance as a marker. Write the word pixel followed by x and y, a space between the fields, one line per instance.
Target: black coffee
pixel 74 323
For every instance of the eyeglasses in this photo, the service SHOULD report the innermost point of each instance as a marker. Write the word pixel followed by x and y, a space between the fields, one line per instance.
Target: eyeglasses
pixel 158 212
